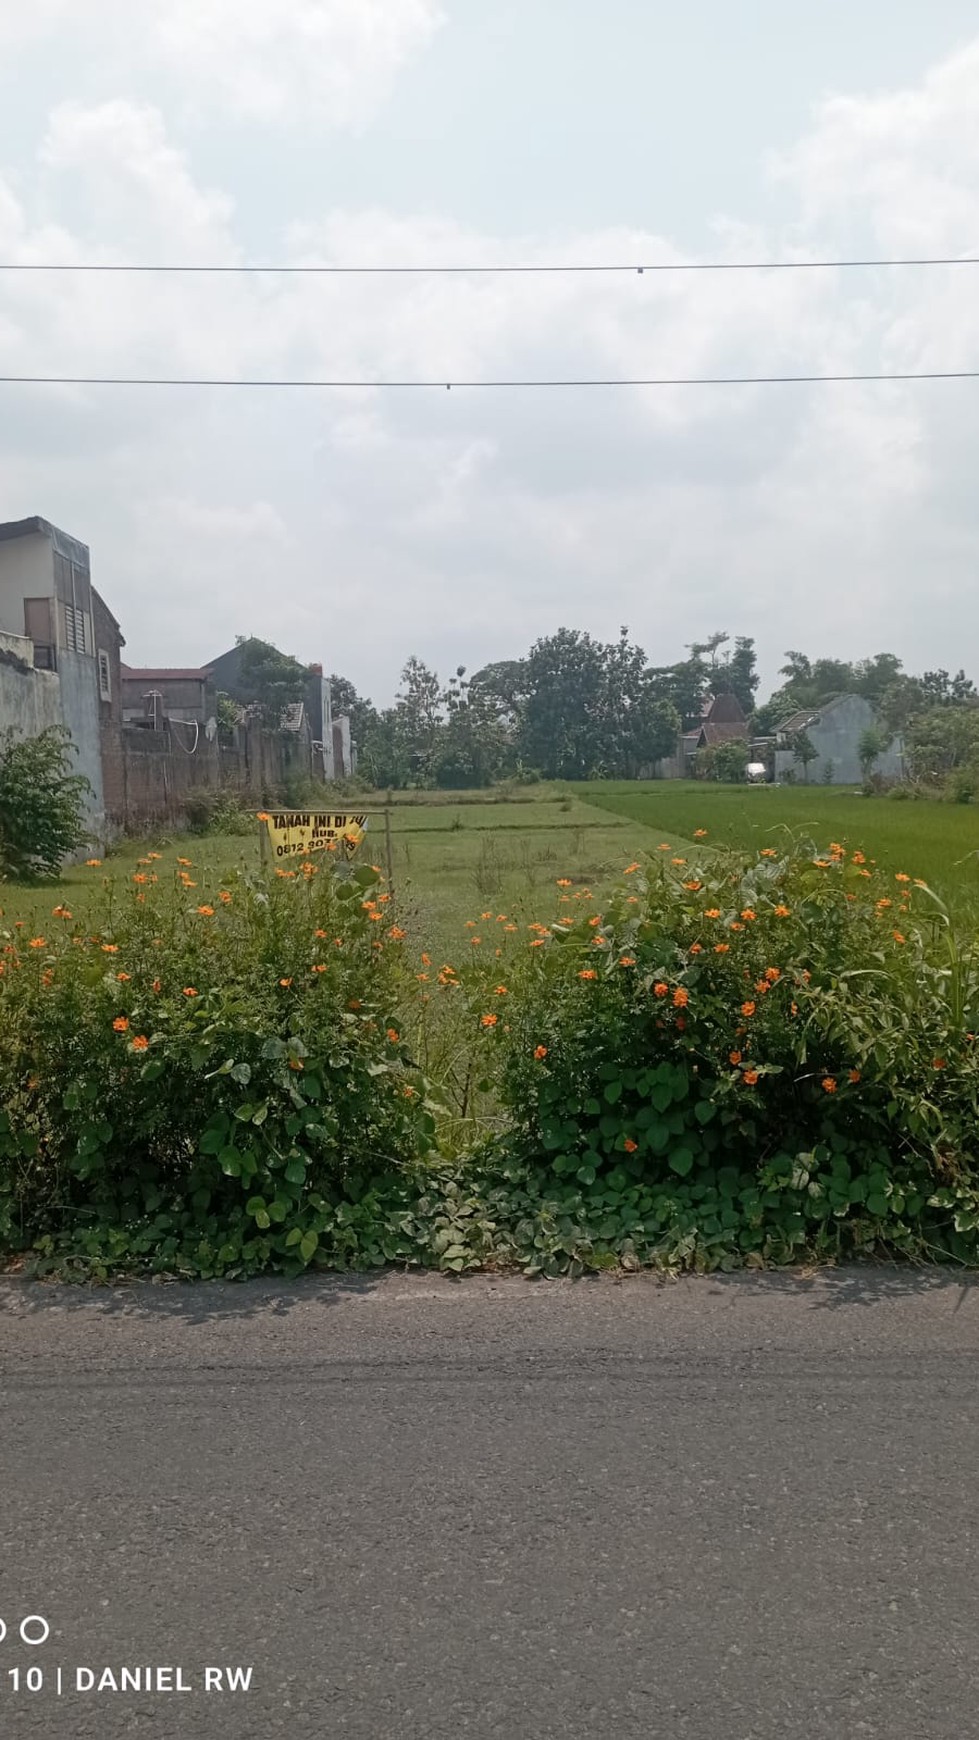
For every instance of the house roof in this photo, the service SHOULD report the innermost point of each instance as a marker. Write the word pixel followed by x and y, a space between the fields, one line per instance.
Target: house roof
pixel 161 674
pixel 24 528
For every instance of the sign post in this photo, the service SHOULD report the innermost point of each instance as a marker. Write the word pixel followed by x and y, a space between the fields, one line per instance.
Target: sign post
pixel 285 834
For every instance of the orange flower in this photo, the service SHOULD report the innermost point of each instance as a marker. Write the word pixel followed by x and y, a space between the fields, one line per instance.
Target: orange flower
pixel 627 960
pixel 120 1024
pixel 938 1063
pixel 734 925
pixel 107 948
pixel 664 847
pixel 660 988
pixel 564 882
pixel 773 974
pixel 696 948
pixel 750 1077
pixel 748 915
pixel 768 852
pixel 482 914
pixel 693 885
pixel 722 948
pixel 188 863
pixel 734 1057
pixel 487 1020
pixel 882 905
pixel 899 876
pixel 261 816
pixel 37 942
pixel 782 912
pixel 854 1075
pixel 393 1035
pixel 596 919
pixel 700 833
pixel 189 991
pixel 501 991
pixel 396 933
pixel 747 1008
pixel 156 985
pixel 588 973
pixel 319 967
pixel 762 987
pixel 60 912
pixel 829 1084
pixel 681 997
pixel 629 1145
pixel 631 869
pixel 898 938
pixel 426 960
pixel 139 877
pixel 540 1052
pixel 285 983
pixel 206 911
pixel 123 978
pixel 475 942
pixel 538 943
pixel 713 912
pixel 139 1042
pixel 224 897
pixel 93 863
pixel 678 861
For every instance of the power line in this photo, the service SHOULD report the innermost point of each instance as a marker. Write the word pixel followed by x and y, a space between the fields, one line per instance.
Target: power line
pixel 446 386
pixel 472 270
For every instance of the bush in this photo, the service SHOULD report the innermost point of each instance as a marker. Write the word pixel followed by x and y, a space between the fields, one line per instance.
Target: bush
pixel 197 1078
pixel 42 804
pixel 750 1061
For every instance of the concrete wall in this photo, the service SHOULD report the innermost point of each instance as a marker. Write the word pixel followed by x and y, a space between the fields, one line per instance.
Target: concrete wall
pixel 836 738
pixel 30 700
pixel 78 679
pixel 151 779
pixel 26 571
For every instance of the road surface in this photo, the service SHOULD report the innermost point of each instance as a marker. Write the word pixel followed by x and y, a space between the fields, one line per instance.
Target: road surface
pixel 740 1507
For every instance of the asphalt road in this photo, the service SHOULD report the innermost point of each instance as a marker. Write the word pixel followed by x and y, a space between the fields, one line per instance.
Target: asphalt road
pixel 719 1508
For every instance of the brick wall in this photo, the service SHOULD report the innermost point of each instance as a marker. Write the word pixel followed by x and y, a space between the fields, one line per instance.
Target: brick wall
pixel 155 779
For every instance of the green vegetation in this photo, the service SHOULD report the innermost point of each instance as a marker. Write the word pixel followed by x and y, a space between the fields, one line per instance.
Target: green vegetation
pixel 42 804
pixel 936 841
pixel 523 1057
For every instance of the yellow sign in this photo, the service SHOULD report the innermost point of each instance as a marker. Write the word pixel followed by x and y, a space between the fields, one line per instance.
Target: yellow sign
pixel 297 833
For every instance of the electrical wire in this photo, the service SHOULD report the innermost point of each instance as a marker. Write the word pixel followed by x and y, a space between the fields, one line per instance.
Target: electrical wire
pixel 447 386
pixel 419 271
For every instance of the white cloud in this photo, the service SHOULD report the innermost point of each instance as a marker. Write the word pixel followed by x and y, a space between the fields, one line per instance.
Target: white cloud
pixel 327 61
pixel 356 528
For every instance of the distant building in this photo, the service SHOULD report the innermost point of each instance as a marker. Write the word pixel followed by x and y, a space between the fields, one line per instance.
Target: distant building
pixel 721 720
pixel 334 755
pixel 53 625
pixel 834 730
pixel 152 694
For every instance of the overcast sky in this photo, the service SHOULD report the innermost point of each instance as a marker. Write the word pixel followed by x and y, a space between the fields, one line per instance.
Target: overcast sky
pixel 355 527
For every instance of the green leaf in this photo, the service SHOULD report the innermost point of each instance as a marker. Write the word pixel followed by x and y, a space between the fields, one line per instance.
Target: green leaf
pixel 295 1172
pixel 293 1236
pixel 613 1093
pixel 308 1246
pixel 704 1111
pixel 681 1161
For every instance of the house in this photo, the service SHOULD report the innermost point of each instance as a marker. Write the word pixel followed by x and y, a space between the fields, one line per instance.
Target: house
pixel 152 694
pixel 834 730
pixel 721 720
pixel 333 753
pixel 53 625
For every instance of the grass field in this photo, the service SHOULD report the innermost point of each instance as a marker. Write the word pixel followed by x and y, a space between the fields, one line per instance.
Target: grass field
pixel 936 841
pixel 456 855
pixel 453 858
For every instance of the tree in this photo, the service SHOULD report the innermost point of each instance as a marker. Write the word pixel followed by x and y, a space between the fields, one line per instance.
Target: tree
pixel 740 674
pixel 870 748
pixel 270 681
pixel 941 740
pixel 561 726
pixel 474 741
pixel 731 761
pixel 42 804
pixel 803 751
pixel 420 708
pixel 346 703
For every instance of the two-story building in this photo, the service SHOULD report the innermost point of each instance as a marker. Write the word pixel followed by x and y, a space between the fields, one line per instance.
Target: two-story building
pixel 52 626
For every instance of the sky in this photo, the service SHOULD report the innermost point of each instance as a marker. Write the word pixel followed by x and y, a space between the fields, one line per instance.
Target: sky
pixel 356 526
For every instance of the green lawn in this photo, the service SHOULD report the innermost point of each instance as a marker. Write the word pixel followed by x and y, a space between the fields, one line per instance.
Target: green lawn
pixel 936 841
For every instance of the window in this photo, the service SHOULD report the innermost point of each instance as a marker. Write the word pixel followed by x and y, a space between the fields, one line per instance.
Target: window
pixel 74 628
pixel 105 676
